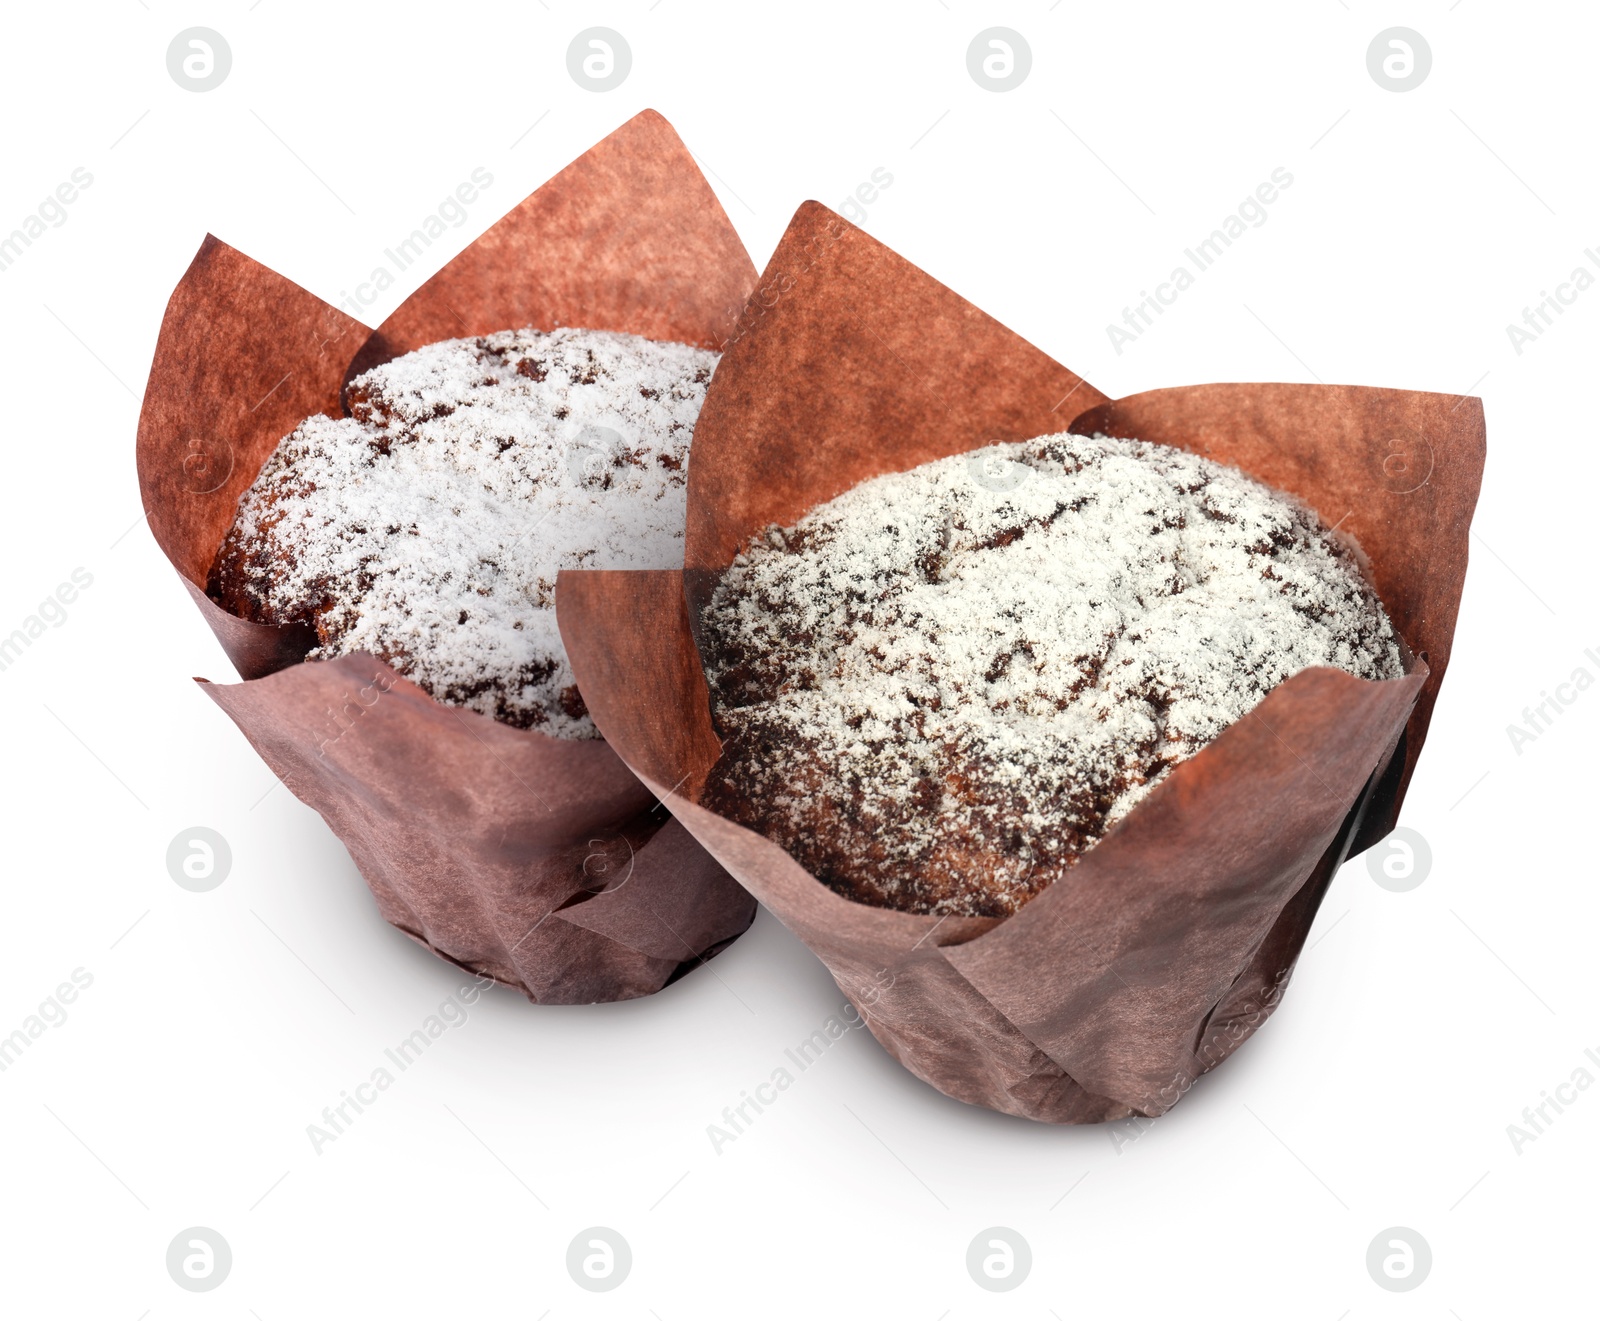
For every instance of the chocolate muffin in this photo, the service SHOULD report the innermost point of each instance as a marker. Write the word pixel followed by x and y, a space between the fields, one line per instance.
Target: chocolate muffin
pixel 429 525
pixel 940 689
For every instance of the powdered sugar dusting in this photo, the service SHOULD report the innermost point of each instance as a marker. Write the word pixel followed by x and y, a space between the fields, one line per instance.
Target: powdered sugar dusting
pixel 942 687
pixel 428 527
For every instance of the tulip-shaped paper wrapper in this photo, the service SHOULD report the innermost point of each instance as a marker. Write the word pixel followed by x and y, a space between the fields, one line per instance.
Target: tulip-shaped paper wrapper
pixel 542 862
pixel 1171 940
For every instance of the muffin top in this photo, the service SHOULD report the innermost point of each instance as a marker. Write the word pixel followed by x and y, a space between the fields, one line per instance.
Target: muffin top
pixel 428 526
pixel 941 688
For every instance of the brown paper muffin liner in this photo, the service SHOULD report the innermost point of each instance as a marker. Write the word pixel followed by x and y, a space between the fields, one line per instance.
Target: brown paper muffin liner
pixel 541 862
pixel 1171 941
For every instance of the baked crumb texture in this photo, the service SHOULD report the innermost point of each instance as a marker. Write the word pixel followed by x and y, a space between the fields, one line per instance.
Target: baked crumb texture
pixel 428 526
pixel 941 688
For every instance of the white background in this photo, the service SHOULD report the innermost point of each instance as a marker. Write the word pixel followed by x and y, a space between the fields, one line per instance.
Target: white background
pixel 218 1025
